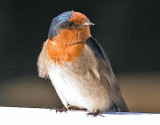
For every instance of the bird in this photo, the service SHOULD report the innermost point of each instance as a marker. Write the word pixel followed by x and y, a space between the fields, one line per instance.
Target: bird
pixel 78 67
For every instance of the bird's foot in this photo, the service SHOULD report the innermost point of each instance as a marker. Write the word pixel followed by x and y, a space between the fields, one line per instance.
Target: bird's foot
pixel 94 114
pixel 64 109
pixel 53 108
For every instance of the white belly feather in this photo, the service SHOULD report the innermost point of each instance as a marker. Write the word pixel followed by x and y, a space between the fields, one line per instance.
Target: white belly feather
pixel 78 92
pixel 66 87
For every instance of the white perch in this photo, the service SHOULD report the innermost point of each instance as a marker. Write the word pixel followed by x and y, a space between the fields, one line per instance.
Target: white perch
pixel 40 116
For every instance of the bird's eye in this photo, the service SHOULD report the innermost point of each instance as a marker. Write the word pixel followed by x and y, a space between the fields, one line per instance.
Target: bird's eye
pixel 70 25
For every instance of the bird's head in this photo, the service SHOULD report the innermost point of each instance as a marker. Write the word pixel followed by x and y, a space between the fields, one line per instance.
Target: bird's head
pixel 67 35
pixel 70 27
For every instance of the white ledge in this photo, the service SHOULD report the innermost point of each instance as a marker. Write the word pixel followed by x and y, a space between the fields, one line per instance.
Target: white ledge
pixel 39 116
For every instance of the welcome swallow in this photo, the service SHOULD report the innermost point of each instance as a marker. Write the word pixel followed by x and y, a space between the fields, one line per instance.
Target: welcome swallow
pixel 78 67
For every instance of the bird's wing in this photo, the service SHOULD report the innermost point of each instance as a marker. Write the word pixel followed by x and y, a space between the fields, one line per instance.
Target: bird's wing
pixel 107 77
pixel 43 62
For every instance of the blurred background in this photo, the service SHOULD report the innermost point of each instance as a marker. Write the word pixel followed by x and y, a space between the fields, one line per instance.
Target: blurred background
pixel 129 31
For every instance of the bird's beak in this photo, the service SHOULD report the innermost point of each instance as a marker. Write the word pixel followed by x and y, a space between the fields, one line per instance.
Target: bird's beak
pixel 87 24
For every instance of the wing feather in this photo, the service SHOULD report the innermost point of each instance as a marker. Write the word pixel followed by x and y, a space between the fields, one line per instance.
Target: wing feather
pixel 44 62
pixel 107 76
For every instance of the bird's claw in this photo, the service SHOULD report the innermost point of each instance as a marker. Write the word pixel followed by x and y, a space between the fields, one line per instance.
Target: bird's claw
pixel 94 114
pixel 64 109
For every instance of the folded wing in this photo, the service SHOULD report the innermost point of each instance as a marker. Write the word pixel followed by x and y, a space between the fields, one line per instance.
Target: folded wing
pixel 107 77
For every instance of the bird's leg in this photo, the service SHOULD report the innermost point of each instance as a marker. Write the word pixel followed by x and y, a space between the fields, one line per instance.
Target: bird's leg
pixel 94 114
pixel 54 108
pixel 64 109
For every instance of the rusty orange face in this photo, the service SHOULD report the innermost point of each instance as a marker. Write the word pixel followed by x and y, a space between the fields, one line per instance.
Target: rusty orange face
pixel 78 18
pixel 70 40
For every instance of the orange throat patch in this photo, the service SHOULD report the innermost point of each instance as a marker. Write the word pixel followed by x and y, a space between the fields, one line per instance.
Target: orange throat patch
pixel 68 44
pixel 67 53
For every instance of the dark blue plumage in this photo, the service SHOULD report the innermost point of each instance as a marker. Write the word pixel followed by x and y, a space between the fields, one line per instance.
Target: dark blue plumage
pixel 96 48
pixel 57 22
